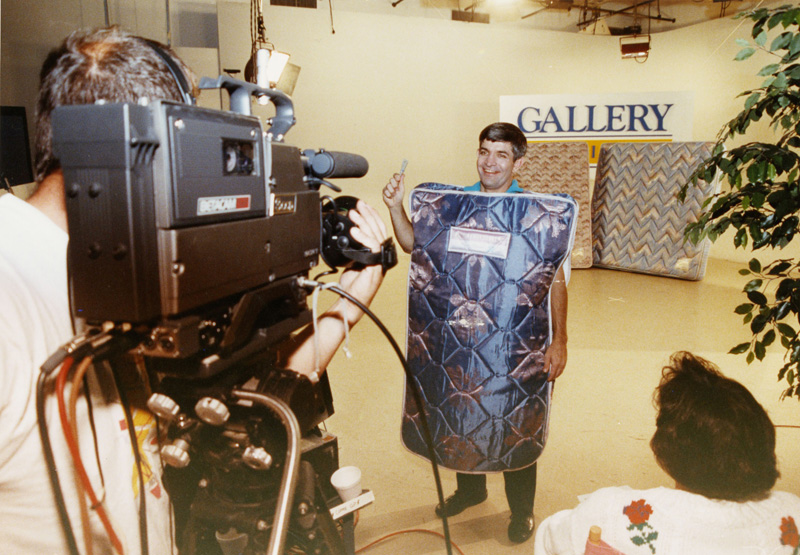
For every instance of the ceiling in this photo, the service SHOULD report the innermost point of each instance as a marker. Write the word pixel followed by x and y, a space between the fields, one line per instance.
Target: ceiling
pixel 615 17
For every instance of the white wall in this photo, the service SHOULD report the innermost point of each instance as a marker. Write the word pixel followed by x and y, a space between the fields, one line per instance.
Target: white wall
pixel 393 87
pixel 419 88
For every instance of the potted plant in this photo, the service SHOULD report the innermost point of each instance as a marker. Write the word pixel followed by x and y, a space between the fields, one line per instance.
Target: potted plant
pixel 760 191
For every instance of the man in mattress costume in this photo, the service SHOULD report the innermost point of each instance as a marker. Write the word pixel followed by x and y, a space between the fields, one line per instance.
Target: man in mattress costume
pixel 487 321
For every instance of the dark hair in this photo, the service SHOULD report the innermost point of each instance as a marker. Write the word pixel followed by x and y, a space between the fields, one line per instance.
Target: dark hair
pixel 102 64
pixel 508 133
pixel 712 436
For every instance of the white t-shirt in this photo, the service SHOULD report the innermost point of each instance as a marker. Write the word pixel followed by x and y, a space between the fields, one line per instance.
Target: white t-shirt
pixel 664 521
pixel 34 323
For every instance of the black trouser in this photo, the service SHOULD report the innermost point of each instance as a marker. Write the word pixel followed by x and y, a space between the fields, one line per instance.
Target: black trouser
pixel 520 487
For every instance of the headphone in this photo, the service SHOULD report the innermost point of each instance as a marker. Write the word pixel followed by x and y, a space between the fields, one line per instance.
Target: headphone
pixel 175 70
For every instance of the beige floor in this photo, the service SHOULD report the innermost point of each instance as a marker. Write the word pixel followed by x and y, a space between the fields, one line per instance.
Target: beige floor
pixel 622 329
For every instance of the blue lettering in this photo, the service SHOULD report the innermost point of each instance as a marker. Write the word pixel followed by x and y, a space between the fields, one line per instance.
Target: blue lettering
pixel 571 110
pixel 523 117
pixel 660 116
pixel 590 126
pixel 612 116
pixel 552 119
pixel 634 118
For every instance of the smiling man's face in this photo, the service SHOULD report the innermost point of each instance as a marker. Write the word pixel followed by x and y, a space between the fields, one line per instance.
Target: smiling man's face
pixel 496 166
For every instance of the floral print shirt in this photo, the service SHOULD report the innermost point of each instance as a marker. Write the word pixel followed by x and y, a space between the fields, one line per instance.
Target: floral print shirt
pixel 664 521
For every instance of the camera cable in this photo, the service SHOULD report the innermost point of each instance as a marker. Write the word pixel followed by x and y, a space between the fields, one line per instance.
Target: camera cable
pixel 415 392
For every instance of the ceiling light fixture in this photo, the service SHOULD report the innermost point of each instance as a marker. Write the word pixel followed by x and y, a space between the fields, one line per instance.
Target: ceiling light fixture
pixel 635 46
pixel 267 67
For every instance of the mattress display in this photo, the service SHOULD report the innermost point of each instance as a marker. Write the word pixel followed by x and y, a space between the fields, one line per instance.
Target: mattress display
pixel 563 167
pixel 637 220
pixel 479 284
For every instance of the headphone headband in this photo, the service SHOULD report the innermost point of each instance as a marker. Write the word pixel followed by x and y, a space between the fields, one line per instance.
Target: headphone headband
pixel 174 69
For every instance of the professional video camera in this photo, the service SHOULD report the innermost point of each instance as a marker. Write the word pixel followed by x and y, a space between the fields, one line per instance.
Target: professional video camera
pixel 192 233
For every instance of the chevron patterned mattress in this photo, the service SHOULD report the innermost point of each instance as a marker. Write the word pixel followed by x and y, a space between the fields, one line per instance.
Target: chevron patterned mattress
pixel 479 322
pixel 563 167
pixel 637 221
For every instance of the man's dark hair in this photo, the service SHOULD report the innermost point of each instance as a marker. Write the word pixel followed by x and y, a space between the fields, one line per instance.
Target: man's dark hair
pixel 508 133
pixel 103 64
pixel 712 436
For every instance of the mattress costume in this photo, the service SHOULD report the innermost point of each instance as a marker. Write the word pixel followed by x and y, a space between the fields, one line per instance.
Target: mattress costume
pixel 482 266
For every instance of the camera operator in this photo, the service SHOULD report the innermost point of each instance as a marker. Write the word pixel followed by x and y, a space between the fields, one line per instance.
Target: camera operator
pixel 114 66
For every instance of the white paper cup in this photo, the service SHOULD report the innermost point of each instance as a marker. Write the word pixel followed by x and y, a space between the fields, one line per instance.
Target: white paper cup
pixel 347 481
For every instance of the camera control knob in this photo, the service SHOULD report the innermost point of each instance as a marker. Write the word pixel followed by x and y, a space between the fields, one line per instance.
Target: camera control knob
pixel 257 458
pixel 177 454
pixel 162 406
pixel 212 411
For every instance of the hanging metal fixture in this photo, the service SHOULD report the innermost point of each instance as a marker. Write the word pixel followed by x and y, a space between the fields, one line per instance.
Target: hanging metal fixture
pixel 266 64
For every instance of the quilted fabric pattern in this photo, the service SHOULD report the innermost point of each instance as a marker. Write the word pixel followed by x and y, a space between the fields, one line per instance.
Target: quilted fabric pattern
pixel 563 167
pixel 478 324
pixel 637 221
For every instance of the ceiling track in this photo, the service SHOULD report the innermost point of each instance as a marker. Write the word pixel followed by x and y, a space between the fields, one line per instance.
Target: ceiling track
pixel 600 13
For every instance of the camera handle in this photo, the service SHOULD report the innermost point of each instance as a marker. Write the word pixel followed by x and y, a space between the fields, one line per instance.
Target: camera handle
pixel 241 96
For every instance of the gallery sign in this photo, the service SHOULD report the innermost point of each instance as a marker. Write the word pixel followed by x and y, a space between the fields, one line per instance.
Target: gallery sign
pixel 601 118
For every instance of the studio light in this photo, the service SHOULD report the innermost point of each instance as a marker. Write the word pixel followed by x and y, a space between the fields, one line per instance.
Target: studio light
pixel 635 46
pixel 267 66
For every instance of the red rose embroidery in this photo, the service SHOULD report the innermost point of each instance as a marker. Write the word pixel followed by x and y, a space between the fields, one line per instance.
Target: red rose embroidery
pixel 789 534
pixel 638 512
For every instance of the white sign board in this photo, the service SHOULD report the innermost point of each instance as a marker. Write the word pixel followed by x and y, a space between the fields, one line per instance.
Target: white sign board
pixel 601 118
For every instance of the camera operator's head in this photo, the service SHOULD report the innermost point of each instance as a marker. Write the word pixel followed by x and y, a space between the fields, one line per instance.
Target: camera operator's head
pixel 712 436
pixel 104 64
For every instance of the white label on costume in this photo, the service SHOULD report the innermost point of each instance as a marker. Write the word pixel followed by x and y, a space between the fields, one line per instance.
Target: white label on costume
pixel 478 241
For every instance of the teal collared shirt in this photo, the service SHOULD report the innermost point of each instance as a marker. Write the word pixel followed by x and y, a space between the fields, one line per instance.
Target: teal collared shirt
pixel 515 188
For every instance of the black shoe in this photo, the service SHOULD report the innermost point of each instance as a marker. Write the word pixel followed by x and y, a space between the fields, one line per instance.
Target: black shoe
pixel 520 529
pixel 459 501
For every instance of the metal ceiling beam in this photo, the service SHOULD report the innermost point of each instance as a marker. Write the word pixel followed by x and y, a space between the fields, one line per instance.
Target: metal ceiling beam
pixel 602 14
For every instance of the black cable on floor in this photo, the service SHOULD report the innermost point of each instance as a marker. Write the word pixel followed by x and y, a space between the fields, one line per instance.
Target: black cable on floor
pixel 417 399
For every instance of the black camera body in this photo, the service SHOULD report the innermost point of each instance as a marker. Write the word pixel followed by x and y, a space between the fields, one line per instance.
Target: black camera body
pixel 172 207
pixel 194 230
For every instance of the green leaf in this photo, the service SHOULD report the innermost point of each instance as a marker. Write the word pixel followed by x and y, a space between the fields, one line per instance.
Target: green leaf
pixel 743 308
pixel 740 348
pixel 753 285
pixel 769 69
pixel 779 268
pixel 780 42
pixel 794 46
pixel 749 103
pixel 786 330
pixel 755 265
pixel 743 42
pixel 740 239
pixel 760 350
pixel 744 53
pixel 758 324
pixel 761 39
pixel 756 172
pixel 750 357
pixel 768 338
